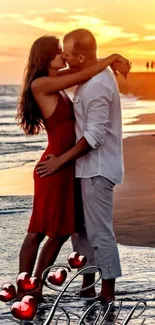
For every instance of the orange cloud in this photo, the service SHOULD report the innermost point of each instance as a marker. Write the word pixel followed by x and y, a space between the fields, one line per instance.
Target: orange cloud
pixel 120 27
pixel 150 27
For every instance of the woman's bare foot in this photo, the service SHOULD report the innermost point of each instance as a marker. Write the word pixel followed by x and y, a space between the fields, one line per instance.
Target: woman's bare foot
pixel 20 295
pixel 106 300
pixel 88 279
pixel 108 290
pixel 37 294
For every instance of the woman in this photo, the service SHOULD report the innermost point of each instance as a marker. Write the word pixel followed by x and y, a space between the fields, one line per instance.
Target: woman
pixel 53 206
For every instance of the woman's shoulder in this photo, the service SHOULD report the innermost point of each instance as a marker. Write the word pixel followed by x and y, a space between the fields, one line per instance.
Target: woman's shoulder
pixel 38 92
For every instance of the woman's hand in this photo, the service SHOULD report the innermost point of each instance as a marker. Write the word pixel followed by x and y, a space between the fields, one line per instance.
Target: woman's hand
pixel 123 67
pixel 120 58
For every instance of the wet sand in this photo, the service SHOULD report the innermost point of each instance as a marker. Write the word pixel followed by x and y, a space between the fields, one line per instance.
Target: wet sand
pixel 134 214
pixel 16 181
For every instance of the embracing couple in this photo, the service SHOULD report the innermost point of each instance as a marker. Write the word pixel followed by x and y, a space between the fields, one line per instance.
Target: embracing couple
pixel 75 177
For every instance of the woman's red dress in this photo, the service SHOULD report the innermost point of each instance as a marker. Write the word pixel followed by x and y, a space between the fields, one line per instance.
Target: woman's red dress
pixel 54 207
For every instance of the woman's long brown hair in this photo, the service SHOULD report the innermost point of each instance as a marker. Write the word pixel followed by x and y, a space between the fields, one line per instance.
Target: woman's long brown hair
pixel 43 50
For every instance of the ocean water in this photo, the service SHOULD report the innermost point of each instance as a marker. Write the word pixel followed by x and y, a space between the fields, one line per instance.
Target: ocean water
pixel 138 264
pixel 17 149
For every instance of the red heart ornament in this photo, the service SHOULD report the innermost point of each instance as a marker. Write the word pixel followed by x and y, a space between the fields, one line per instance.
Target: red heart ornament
pixel 76 260
pixel 24 309
pixel 8 292
pixel 26 283
pixel 57 277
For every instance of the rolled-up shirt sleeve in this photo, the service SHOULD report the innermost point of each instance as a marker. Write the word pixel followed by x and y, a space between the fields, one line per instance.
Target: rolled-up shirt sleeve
pixel 96 102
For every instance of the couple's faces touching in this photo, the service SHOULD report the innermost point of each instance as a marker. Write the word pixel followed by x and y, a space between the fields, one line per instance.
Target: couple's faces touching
pixel 66 55
pixel 58 62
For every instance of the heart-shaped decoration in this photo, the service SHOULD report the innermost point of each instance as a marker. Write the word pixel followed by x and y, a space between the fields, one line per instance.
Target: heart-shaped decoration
pixel 26 283
pixel 57 277
pixel 76 260
pixel 24 309
pixel 8 292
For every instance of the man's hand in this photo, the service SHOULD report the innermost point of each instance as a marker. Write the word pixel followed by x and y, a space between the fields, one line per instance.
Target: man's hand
pixel 49 166
pixel 53 163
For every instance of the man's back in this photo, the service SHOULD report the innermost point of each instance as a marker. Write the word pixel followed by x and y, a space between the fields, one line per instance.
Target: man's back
pixel 98 118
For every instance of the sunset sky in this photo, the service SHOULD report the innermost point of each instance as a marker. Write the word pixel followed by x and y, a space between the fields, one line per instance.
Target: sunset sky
pixel 123 26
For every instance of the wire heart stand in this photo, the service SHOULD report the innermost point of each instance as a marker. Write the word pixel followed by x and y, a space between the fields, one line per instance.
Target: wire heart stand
pixel 101 311
pixel 55 276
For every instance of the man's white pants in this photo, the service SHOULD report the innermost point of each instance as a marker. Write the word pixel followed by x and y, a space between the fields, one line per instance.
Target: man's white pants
pixel 97 240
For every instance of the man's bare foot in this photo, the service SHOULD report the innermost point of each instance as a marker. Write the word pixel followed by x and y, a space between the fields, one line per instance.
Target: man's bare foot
pixel 108 290
pixel 106 300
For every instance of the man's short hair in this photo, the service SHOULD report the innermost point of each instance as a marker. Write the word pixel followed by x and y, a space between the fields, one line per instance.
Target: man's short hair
pixel 84 42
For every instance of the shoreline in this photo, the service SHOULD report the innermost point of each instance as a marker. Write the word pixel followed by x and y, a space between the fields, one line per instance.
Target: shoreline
pixel 143 119
pixel 139 84
pixel 12 180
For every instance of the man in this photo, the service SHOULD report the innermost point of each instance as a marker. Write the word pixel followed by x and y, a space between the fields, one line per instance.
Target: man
pixel 99 160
